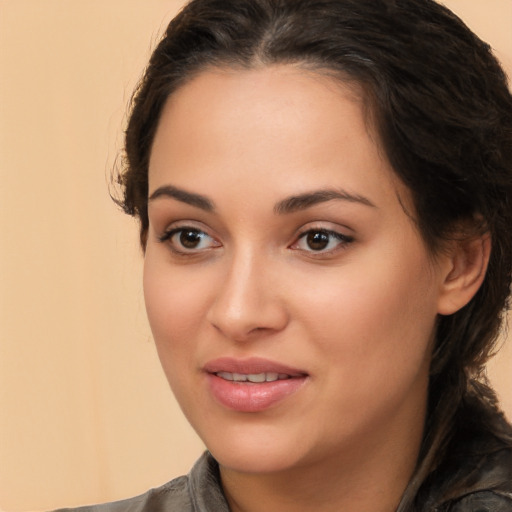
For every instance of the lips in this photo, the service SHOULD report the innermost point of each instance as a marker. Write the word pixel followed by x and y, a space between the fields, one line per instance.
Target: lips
pixel 252 385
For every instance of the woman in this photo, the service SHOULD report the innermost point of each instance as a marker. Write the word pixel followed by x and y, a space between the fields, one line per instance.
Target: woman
pixel 323 189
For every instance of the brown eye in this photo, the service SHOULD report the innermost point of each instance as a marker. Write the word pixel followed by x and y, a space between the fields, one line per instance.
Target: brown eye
pixel 323 241
pixel 317 240
pixel 190 238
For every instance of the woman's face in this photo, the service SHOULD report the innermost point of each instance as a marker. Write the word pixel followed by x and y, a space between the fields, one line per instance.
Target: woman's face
pixel 291 298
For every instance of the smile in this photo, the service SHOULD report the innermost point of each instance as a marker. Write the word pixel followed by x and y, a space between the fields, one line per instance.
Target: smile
pixel 252 385
pixel 255 378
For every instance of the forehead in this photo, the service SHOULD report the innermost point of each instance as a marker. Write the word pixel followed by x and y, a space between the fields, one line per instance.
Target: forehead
pixel 264 123
pixel 268 97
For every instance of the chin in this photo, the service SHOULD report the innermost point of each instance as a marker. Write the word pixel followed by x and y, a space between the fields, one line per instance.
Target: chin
pixel 258 461
pixel 254 451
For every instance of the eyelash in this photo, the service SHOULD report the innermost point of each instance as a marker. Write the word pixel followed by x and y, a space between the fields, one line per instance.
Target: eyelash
pixel 329 235
pixel 168 236
pixel 342 240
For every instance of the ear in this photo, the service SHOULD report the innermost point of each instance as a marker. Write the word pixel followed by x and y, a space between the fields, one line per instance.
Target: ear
pixel 462 271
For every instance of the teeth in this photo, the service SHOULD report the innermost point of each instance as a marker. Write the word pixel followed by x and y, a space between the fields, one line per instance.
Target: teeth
pixel 259 377
pixel 252 377
pixel 225 375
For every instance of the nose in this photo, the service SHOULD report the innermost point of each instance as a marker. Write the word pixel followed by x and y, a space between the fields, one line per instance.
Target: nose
pixel 248 300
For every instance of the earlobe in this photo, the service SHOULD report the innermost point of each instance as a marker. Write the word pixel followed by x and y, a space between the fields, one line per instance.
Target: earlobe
pixel 464 272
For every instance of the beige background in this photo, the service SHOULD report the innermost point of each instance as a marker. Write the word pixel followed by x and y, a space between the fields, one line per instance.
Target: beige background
pixel 85 413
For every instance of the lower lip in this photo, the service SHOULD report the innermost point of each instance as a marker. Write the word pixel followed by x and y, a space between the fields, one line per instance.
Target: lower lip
pixel 252 397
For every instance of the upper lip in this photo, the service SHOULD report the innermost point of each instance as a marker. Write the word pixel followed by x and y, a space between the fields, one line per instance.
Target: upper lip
pixel 251 366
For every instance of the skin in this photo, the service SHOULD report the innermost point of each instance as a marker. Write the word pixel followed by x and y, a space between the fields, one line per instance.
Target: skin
pixel 357 316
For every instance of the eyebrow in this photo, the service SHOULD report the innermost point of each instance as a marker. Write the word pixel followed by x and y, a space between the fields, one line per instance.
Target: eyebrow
pixel 179 194
pixel 309 199
pixel 289 205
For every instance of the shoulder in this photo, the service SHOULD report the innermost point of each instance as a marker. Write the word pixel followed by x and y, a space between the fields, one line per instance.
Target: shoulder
pixel 199 491
pixel 173 496
pixel 484 501
pixel 488 486
pixel 476 473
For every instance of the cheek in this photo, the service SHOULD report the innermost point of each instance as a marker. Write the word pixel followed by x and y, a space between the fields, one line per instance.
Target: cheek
pixel 375 342
pixel 175 312
pixel 379 316
pixel 174 304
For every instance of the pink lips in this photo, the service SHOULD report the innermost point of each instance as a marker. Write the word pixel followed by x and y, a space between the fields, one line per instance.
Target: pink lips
pixel 226 379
